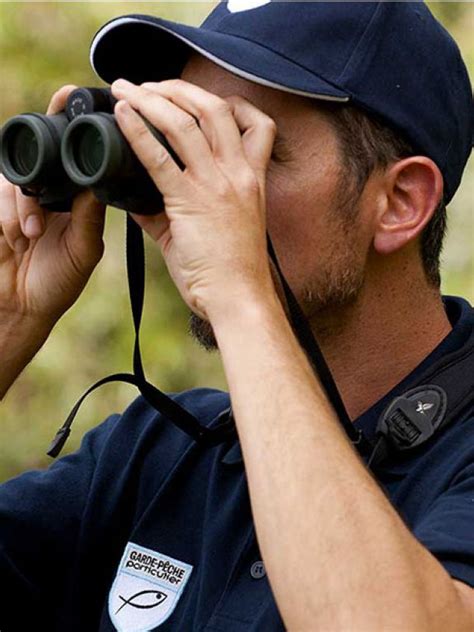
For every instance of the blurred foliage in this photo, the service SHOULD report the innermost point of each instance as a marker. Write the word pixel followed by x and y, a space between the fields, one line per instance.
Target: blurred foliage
pixel 43 46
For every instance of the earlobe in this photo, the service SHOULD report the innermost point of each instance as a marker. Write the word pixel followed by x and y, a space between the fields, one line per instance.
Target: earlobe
pixel 413 188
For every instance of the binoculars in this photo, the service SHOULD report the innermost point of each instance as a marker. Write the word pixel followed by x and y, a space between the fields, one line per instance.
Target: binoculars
pixel 55 157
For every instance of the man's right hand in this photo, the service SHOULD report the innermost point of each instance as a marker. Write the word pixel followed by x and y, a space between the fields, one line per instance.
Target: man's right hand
pixel 46 258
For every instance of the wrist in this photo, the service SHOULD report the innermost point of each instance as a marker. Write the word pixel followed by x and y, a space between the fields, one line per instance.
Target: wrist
pixel 21 337
pixel 23 328
pixel 244 311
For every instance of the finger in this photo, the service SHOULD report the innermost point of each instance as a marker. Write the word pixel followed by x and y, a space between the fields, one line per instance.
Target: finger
pixel 154 225
pixel 213 114
pixel 86 228
pixel 59 98
pixel 30 215
pixel 180 128
pixel 165 173
pixel 9 221
pixel 258 133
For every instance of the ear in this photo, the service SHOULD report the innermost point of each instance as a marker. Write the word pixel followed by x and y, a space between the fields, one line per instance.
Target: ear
pixel 412 190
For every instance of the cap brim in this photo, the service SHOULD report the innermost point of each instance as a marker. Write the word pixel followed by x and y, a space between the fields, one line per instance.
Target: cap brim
pixel 146 48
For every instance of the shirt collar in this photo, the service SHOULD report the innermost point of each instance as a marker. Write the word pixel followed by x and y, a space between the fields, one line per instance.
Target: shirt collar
pixel 233 455
pixel 461 317
pixel 231 452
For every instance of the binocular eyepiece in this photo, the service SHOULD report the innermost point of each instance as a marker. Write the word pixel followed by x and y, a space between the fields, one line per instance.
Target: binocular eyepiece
pixel 54 157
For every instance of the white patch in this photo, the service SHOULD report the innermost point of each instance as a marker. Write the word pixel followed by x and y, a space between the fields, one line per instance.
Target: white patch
pixel 235 6
pixel 146 589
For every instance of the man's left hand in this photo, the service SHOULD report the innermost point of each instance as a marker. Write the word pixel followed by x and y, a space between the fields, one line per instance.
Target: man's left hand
pixel 212 234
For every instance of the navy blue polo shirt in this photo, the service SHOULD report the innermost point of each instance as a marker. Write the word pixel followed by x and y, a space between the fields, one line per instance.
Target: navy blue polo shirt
pixel 143 529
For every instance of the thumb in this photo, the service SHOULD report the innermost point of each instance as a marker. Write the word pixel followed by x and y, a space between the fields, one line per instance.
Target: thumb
pixel 86 228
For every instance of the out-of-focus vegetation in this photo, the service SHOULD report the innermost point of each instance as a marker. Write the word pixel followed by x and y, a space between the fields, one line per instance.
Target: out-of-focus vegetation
pixel 43 46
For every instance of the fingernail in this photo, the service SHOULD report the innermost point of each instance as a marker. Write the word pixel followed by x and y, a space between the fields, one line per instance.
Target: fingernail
pixel 121 84
pixel 33 226
pixel 21 244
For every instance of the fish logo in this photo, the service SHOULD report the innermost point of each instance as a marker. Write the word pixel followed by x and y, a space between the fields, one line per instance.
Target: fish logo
pixel 422 408
pixel 146 589
pixel 138 600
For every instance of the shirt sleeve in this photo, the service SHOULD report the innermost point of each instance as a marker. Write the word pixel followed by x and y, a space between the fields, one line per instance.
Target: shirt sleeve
pixel 447 529
pixel 40 520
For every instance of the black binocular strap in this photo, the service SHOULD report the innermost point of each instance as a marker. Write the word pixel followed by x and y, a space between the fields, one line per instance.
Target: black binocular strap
pixel 161 402
pixel 314 354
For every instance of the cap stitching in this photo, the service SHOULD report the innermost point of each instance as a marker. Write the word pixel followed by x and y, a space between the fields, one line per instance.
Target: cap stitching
pixel 361 38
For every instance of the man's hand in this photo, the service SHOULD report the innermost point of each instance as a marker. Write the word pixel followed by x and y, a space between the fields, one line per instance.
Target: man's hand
pixel 46 258
pixel 45 262
pixel 213 233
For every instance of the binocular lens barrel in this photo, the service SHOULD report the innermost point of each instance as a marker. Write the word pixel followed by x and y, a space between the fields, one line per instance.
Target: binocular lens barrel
pixel 88 150
pixel 30 149
pixel 23 149
pixel 54 157
pixel 94 150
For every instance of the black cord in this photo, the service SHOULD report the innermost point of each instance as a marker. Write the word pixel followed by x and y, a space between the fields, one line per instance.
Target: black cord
pixel 308 343
pixel 168 407
pixel 158 400
pixel 375 450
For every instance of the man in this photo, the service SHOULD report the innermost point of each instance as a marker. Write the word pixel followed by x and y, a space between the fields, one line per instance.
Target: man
pixel 144 528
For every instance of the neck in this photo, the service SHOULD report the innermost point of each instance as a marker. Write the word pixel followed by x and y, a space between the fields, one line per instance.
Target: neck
pixel 372 344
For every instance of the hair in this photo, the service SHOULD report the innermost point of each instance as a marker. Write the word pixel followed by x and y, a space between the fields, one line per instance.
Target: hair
pixel 367 143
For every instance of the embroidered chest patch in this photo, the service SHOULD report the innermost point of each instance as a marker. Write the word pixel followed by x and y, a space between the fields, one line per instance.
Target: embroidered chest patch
pixel 146 589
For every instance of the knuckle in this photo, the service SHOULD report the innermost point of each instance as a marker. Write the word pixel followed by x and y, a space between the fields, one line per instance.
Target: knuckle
pixel 221 108
pixel 159 160
pixel 142 133
pixel 249 183
pixel 187 124
pixel 222 188
pixel 270 124
pixel 267 123
pixel 235 98
pixel 172 83
pixel 149 86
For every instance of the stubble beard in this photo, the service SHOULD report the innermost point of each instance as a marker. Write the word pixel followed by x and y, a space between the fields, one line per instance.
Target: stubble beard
pixel 201 331
pixel 335 288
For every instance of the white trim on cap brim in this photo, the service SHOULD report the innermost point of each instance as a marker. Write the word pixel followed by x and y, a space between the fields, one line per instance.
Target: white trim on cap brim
pixel 205 53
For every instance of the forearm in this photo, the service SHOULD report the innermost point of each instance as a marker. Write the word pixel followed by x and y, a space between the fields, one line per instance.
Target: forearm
pixel 337 554
pixel 20 340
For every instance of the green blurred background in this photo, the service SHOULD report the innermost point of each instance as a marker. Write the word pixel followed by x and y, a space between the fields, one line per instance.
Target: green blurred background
pixel 44 45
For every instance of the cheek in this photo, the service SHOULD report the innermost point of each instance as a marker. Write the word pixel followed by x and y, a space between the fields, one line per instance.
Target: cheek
pixel 297 214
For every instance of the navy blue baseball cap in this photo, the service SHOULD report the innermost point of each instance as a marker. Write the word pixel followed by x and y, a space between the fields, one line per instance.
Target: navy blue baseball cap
pixel 392 59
